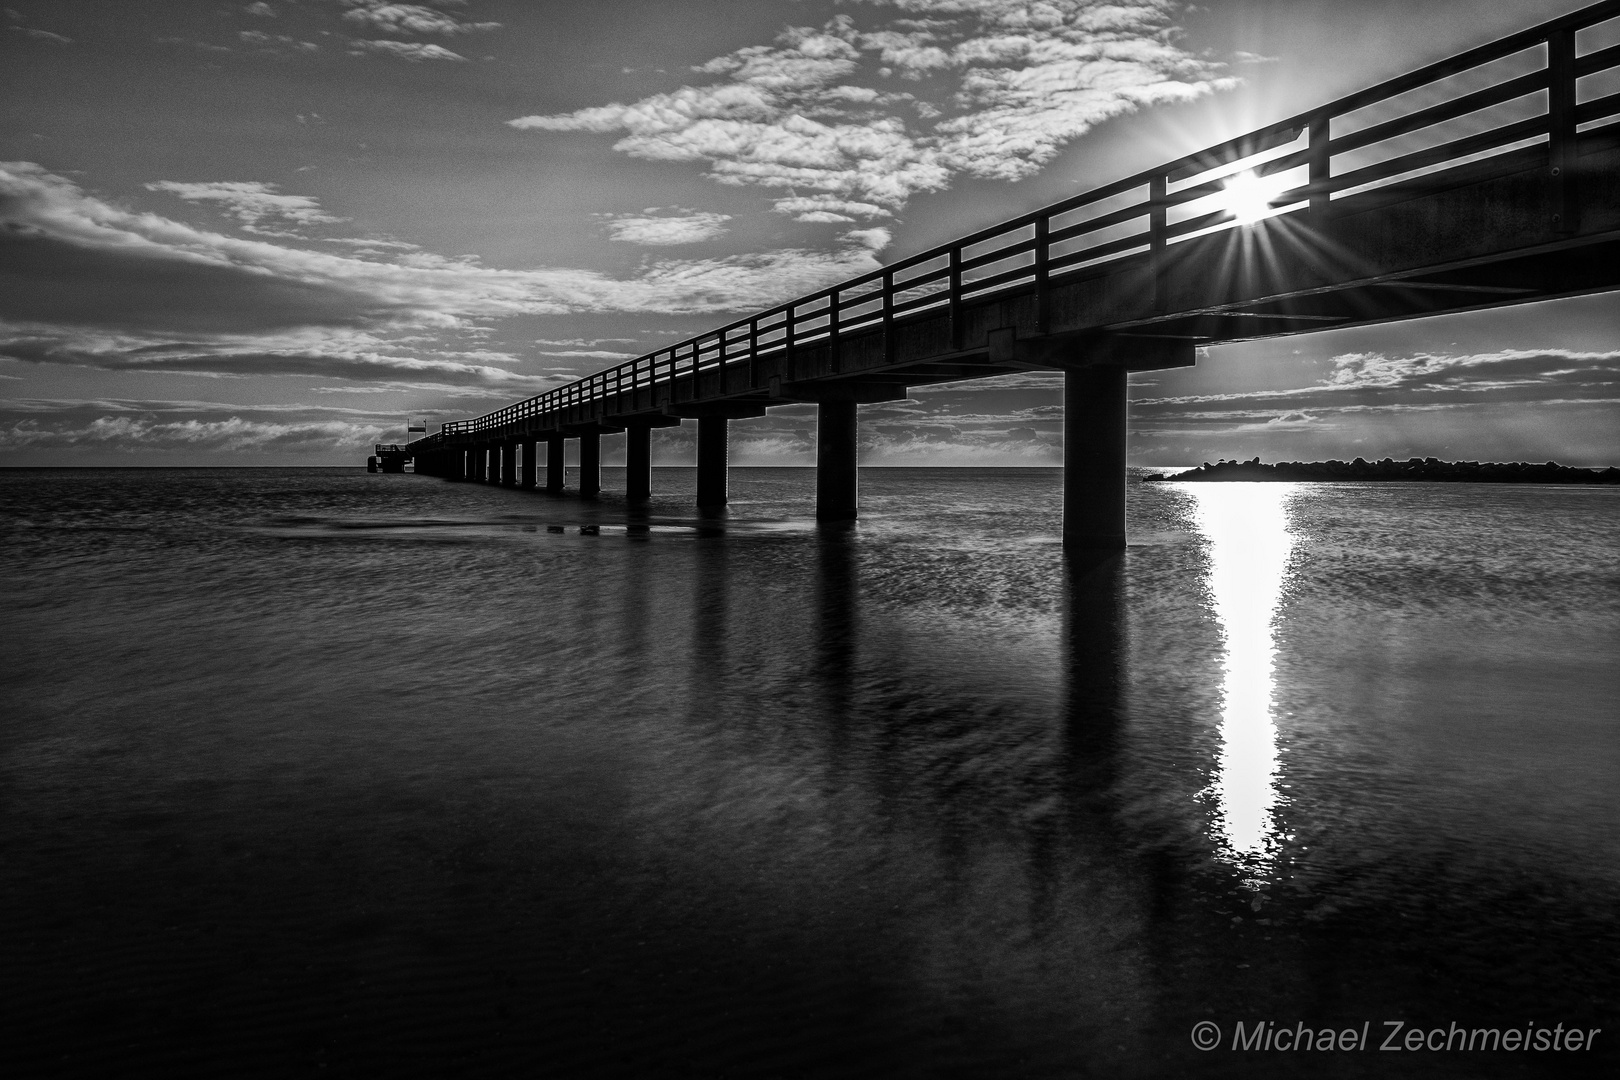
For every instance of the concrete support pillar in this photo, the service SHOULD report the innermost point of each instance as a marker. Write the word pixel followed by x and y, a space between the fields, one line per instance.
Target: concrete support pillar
pixel 711 461
pixel 509 464
pixel 1094 458
pixel 637 463
pixel 555 446
pixel 837 475
pixel 463 464
pixel 531 469
pixel 492 463
pixel 590 464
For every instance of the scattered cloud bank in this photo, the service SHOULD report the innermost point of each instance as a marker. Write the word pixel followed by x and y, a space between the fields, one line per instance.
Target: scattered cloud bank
pixel 1363 382
pixel 389 18
pixel 850 121
pixel 414 51
pixel 276 42
pixel 43 35
pixel 87 283
pixel 665 226
pixel 1513 403
pixel 250 202
pixel 123 425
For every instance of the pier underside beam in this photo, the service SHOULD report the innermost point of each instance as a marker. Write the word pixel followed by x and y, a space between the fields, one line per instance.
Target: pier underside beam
pixel 1094 405
pixel 556 446
pixel 711 461
pixel 590 463
pixel 637 463
pixel 837 474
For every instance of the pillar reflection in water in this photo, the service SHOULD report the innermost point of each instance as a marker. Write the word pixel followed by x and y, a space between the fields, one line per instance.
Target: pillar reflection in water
pixel 1250 543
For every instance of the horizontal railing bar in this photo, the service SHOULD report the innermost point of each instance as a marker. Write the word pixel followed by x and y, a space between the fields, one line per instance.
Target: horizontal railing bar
pixel 1434 155
pixel 996 279
pixel 1472 58
pixel 1446 110
pixel 1243 146
pixel 1124 243
pixel 1097 224
pixel 997 255
pixel 1597 108
pixel 1194 224
pixel 1597 61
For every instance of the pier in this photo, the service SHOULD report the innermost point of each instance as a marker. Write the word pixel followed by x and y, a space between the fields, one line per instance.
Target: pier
pixel 1487 179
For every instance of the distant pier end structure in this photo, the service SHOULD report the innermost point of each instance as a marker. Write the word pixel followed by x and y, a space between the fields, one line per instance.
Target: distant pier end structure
pixel 1487 179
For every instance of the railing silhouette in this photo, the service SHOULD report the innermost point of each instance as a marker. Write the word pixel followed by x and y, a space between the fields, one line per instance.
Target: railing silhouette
pixel 1513 103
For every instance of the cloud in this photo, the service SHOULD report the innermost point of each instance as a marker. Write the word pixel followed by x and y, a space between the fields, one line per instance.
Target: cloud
pixel 828 208
pixel 413 51
pixel 272 42
pixel 87 283
pixel 232 435
pixel 390 18
pixel 120 426
pixel 43 35
pixel 1510 403
pixel 76 258
pixel 876 238
pixel 261 9
pixel 326 356
pixel 1000 87
pixel 653 229
pixel 250 202
pixel 1362 382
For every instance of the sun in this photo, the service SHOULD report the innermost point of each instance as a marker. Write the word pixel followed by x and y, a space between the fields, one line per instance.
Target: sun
pixel 1247 197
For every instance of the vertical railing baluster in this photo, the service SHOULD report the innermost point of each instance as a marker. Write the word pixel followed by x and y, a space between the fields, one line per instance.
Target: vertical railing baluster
pixel 888 316
pixel 1158 216
pixel 832 329
pixel 790 353
pixel 1561 141
pixel 1043 317
pixel 753 348
pixel 1319 134
pixel 956 299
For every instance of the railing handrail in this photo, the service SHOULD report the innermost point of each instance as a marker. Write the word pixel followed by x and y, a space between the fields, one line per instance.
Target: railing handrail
pixel 715 347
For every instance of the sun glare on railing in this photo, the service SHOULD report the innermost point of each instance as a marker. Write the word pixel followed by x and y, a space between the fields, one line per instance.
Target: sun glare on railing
pixel 1247 197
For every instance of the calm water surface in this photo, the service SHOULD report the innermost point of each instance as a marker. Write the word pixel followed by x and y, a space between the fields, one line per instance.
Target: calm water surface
pixel 321 771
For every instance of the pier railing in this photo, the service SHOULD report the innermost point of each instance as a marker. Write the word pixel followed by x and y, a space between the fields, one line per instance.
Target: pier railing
pixel 1524 100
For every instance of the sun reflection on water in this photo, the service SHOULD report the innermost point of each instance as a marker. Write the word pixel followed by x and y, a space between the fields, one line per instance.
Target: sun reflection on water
pixel 1247 529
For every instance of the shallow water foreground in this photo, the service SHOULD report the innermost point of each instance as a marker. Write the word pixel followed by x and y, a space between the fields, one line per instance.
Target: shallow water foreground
pixel 321 771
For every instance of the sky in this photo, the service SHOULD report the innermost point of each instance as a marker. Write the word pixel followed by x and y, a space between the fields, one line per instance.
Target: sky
pixel 270 233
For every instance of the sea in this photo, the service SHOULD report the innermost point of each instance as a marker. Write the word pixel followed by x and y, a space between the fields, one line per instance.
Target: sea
pixel 322 772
